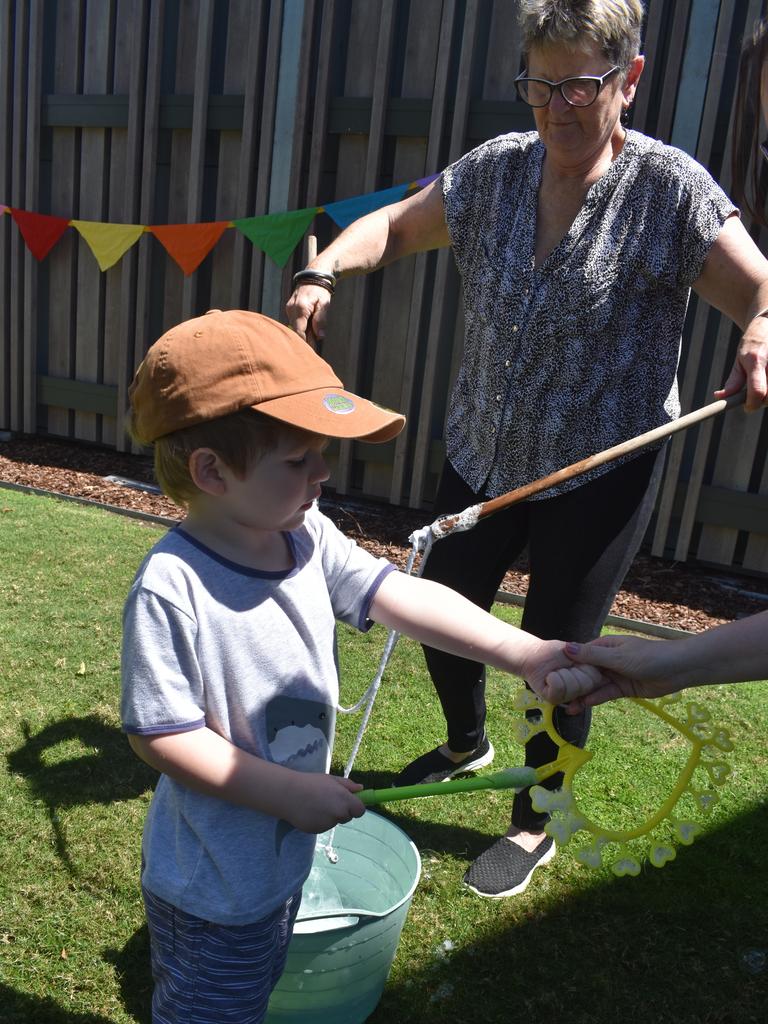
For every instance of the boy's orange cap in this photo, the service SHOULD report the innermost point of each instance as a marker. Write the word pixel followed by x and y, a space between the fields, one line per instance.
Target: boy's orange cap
pixel 234 359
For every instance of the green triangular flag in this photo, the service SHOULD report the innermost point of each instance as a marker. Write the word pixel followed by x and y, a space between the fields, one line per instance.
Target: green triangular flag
pixel 277 234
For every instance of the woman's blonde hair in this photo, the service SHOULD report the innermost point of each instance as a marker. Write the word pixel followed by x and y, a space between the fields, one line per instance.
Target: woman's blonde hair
pixel 240 440
pixel 615 25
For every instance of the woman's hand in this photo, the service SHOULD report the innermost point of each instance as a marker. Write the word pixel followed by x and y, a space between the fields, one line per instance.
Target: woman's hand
pixel 750 368
pixel 307 310
pixel 630 667
pixel 735 281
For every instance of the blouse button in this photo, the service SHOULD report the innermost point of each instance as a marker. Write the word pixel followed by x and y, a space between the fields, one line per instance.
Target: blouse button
pixel 514 328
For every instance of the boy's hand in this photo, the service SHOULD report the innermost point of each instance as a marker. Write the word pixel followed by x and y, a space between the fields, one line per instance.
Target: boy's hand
pixel 554 677
pixel 315 802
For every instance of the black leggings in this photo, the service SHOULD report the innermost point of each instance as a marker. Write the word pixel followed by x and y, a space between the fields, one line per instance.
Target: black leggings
pixel 580 546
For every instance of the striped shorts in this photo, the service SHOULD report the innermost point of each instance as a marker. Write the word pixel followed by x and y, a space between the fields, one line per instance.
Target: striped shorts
pixel 208 973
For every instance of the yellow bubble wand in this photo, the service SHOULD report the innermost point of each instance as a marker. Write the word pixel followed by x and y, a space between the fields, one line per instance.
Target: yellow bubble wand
pixel 708 742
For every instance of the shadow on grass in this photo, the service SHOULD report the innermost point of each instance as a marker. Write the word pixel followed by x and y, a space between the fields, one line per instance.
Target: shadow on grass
pixel 683 945
pixel 667 947
pixel 17 1008
pixel 103 770
pixel 134 976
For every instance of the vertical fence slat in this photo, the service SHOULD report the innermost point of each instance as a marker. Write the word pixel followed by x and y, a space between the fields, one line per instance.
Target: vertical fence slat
pixel 301 143
pixel 92 205
pixel 441 318
pixel 419 294
pixel 264 165
pixel 32 173
pixel 240 61
pixel 149 256
pixel 249 148
pixel 137 68
pixel 652 50
pixel 63 260
pixel 194 204
pixel 383 378
pixel 8 229
pixel 756 549
pixel 19 254
pixel 317 146
pixel 673 67
pixel 176 141
pixel 128 22
pixel 358 335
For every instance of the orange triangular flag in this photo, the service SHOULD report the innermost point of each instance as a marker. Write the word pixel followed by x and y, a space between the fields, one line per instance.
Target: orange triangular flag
pixel 39 230
pixel 108 242
pixel 189 244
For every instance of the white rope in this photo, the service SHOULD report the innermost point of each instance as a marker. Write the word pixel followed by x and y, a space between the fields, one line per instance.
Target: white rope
pixel 421 542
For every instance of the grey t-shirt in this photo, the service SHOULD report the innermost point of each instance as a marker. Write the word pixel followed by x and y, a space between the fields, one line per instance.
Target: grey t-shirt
pixel 566 359
pixel 252 656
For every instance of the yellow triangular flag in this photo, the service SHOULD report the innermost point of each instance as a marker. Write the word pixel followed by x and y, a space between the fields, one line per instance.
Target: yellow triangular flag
pixel 108 242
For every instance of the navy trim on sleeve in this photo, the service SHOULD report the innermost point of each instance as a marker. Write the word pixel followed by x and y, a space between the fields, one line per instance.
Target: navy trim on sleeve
pixel 365 623
pixel 159 730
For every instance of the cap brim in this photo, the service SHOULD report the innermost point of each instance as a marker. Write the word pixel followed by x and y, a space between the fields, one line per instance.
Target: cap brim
pixel 334 412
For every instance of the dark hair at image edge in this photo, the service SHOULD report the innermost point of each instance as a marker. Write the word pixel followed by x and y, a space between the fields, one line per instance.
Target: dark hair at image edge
pixel 749 182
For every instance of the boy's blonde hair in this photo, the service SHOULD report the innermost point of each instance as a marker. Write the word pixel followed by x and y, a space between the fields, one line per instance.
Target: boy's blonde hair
pixel 240 440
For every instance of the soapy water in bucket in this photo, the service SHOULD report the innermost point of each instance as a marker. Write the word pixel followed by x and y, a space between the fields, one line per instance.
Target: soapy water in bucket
pixel 344 880
pixel 320 895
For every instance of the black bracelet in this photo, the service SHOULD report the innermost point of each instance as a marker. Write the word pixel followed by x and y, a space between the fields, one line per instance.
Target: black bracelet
pixel 317 277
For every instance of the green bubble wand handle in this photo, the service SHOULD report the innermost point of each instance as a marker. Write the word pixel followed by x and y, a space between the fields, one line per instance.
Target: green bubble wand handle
pixel 508 778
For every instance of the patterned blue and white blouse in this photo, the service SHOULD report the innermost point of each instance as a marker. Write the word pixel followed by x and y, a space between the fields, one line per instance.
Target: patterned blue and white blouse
pixel 566 359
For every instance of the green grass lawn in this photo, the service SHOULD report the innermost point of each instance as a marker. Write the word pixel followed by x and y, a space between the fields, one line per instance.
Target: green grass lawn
pixel 672 945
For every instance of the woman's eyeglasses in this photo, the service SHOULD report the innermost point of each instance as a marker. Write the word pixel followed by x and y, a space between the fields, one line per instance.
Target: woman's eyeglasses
pixel 578 92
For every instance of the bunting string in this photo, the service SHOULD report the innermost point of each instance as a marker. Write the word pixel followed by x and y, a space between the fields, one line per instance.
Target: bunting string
pixel 276 234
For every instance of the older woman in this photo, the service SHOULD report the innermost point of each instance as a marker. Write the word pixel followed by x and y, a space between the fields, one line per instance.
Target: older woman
pixel 736 651
pixel 578 245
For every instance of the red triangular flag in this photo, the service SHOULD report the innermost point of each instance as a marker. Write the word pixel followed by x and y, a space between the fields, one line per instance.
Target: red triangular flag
pixel 189 244
pixel 40 231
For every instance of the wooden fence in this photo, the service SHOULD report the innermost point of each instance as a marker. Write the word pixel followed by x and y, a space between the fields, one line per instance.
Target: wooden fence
pixel 184 111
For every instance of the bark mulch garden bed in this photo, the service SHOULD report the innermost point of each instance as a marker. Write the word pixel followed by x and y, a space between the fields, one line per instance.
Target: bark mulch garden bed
pixel 679 595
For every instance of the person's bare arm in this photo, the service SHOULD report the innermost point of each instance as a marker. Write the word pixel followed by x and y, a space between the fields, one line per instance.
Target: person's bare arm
pixel 207 763
pixel 415 224
pixel 732 653
pixel 439 617
pixel 735 281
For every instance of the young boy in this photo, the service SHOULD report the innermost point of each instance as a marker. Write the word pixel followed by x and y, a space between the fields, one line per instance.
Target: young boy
pixel 229 668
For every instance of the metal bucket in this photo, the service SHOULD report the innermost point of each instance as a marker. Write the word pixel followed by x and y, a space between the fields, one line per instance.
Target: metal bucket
pixel 343 945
